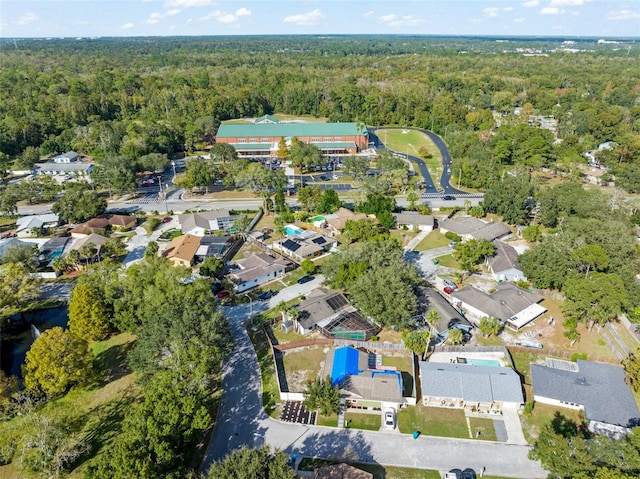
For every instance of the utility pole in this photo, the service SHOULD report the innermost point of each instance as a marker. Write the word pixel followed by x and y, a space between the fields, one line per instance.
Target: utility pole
pixel 459 177
pixel 162 195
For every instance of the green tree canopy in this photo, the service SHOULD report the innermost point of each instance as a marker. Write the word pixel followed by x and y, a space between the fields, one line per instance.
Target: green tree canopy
pixel 323 396
pixel 77 205
pixel 252 463
pixel 56 361
pixel 88 316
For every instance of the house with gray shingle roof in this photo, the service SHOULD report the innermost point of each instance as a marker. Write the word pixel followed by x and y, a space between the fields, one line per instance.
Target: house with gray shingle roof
pixel 504 264
pixel 509 303
pixel 411 219
pixel 598 389
pixel 256 270
pixel 466 385
pixel 468 227
pixel 204 221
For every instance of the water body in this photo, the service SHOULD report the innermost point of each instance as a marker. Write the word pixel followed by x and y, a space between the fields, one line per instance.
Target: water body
pixel 21 332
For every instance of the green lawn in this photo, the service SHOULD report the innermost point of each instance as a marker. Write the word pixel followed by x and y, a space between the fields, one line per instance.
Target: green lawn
pixel 370 422
pixel 435 239
pixel 522 362
pixel 410 143
pixel 401 363
pixel 306 360
pixel 448 261
pixel 433 421
pixel 541 415
pixel 483 429
pixel 330 421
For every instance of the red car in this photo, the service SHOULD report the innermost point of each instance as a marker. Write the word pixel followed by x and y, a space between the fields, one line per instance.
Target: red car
pixel 448 289
pixel 222 294
pixel 166 219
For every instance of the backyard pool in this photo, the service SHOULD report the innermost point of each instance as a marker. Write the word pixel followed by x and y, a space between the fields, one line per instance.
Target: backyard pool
pixel 291 230
pixel 484 362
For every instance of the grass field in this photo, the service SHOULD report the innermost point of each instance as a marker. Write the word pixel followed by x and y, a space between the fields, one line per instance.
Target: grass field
pixel 411 142
pixel 433 421
pixel 482 428
pixel 370 422
pixel 435 239
pixel 94 411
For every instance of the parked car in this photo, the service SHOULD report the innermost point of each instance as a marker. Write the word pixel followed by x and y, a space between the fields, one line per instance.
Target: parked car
pixel 450 283
pixel 468 473
pixel 166 219
pixel 222 294
pixel 306 279
pixel 448 197
pixel 453 474
pixel 266 295
pixel 335 177
pixel 452 244
pixel 448 289
pixel 389 418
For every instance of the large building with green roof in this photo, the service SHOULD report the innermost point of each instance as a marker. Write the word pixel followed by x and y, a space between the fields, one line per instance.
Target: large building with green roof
pixel 260 139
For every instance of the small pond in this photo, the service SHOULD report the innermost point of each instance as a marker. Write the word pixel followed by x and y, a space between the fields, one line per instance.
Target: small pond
pixel 21 331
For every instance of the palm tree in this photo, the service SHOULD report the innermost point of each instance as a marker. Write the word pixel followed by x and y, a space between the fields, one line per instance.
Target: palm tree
pixel 455 336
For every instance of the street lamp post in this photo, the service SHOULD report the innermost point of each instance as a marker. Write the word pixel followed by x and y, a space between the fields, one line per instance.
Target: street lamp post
pixel 173 164
pixel 162 194
pixel 250 305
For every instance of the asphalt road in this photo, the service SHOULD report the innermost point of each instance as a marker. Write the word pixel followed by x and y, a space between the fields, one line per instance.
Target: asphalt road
pixel 445 180
pixel 242 422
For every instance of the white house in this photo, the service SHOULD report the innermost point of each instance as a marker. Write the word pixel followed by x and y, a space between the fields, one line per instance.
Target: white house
pixel 26 224
pixel 201 223
pixel 598 389
pixel 412 220
pixel 504 264
pixel 68 157
pixel 256 270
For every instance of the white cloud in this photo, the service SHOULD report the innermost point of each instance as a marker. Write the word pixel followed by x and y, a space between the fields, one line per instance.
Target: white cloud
pixel 27 18
pixel 369 13
pixel 127 26
pixel 623 15
pixel 155 17
pixel 188 3
pixel 388 18
pixel 519 20
pixel 225 17
pixel 566 3
pixel 531 3
pixel 406 21
pixel 491 12
pixel 508 9
pixel 309 18
pixel 551 11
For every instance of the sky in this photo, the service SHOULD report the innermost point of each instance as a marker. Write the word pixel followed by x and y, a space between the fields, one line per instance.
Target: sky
pixel 100 18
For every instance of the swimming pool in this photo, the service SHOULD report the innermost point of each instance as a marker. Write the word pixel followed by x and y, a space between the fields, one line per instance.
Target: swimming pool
pixel 291 230
pixel 484 362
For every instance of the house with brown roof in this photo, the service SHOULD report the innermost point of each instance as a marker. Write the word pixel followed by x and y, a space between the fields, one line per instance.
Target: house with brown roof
pixel 256 270
pixel 412 219
pixel 120 222
pixel 509 303
pixel 504 264
pixel 84 229
pixel 182 250
pixel 336 221
pixel 468 227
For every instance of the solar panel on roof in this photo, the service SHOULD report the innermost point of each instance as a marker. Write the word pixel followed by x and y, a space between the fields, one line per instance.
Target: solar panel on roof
pixel 319 240
pixel 337 302
pixel 291 245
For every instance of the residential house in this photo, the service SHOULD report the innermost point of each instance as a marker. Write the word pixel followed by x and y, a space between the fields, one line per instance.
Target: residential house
pixel 336 221
pixel 261 139
pixel 26 225
pixel 412 220
pixel 449 317
pixel 308 244
pixel 504 264
pixel 181 250
pixel 598 389
pixel 509 303
pixel 340 471
pixel 363 384
pixel 220 247
pixel 460 385
pixel 592 155
pixel 256 270
pixel 331 313
pixel 97 240
pixel 85 229
pixel 204 222
pixel 120 222
pixel 9 243
pixel 68 157
pixel 468 227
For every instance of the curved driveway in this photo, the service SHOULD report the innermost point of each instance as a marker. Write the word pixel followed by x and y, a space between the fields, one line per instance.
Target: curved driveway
pixel 445 180
pixel 242 422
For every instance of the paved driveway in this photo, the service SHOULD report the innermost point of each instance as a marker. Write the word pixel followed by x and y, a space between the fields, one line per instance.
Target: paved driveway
pixel 242 422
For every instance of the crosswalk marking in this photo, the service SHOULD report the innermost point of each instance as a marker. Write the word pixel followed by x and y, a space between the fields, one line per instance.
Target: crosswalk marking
pixel 457 195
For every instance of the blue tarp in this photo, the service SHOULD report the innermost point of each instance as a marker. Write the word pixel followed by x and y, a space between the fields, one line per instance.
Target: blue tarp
pixel 345 363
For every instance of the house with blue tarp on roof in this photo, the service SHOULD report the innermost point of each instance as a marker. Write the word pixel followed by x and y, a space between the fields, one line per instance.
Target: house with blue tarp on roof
pixel 363 382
